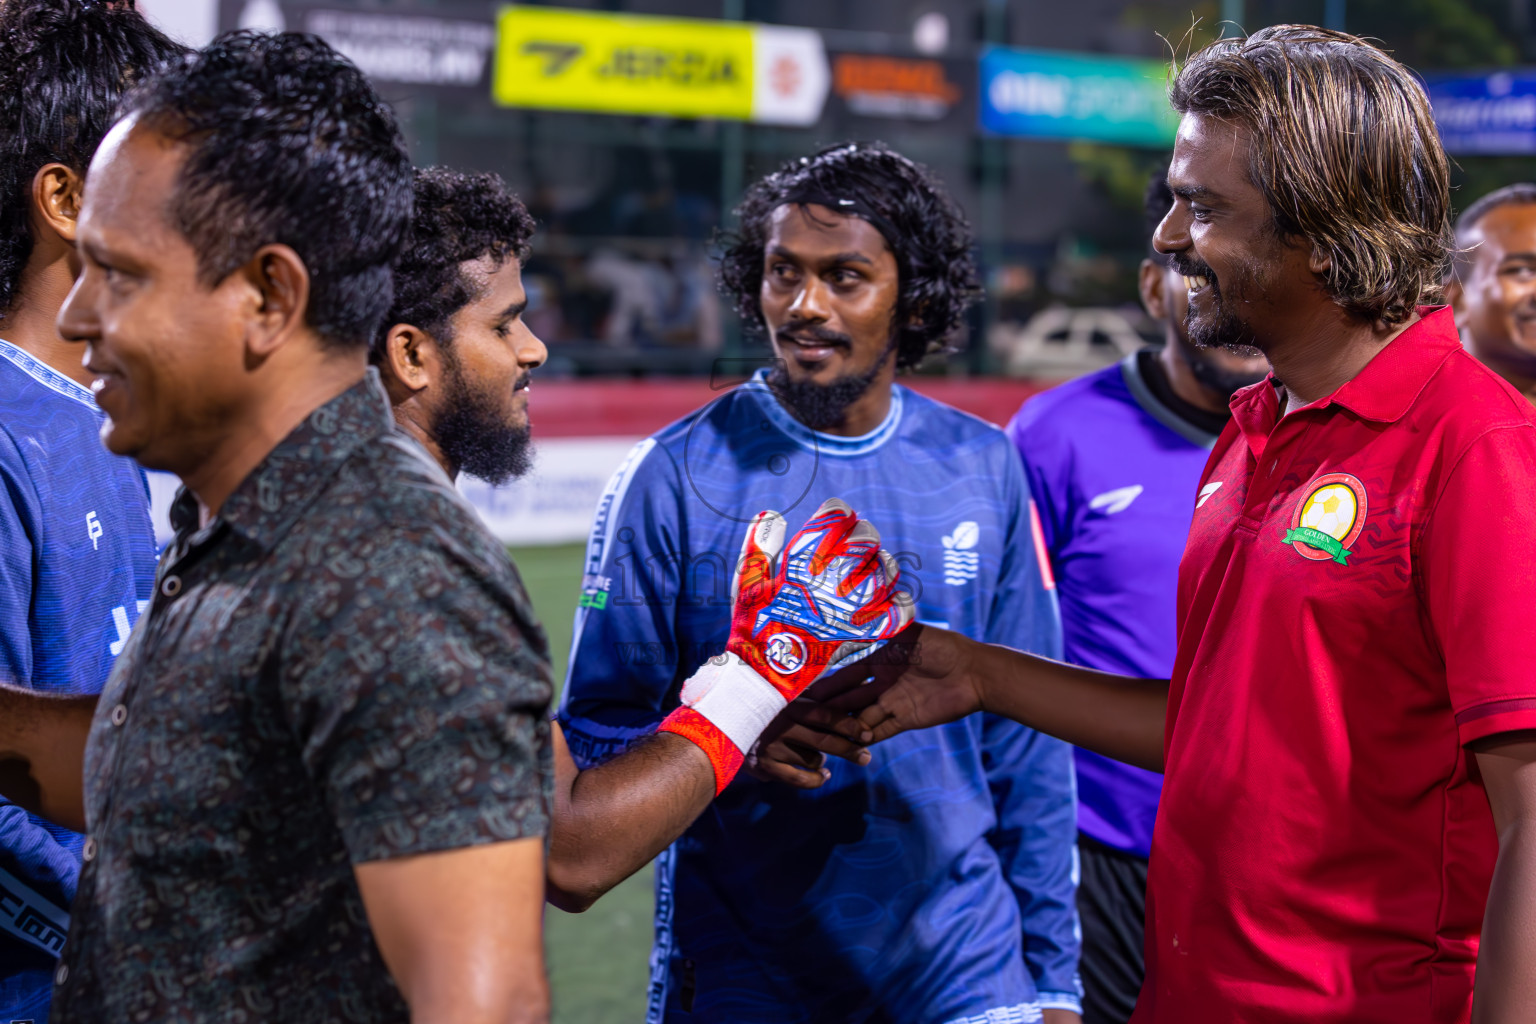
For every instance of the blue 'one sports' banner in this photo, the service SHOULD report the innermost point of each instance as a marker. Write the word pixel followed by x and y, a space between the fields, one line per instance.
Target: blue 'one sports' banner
pixel 1488 113
pixel 1051 94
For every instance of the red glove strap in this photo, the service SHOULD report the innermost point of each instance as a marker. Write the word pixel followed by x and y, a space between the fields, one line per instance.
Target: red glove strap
pixel 700 731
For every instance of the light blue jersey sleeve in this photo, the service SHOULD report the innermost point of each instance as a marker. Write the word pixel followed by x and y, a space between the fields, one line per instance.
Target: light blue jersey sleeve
pixel 624 651
pixel 1030 774
pixel 39 872
pixel 18 518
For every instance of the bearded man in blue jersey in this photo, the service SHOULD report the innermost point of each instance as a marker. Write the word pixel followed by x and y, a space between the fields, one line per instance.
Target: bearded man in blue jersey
pixel 934 884
pixel 77 555
pixel 457 358
pixel 1113 460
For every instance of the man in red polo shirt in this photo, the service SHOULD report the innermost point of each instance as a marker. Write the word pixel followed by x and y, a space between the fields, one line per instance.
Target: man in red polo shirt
pixel 1351 771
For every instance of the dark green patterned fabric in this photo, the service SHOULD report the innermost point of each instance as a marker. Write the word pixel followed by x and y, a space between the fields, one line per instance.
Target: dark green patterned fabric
pixel 343 667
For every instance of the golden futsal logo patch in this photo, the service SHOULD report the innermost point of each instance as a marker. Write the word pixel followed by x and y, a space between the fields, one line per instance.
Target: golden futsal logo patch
pixel 1328 519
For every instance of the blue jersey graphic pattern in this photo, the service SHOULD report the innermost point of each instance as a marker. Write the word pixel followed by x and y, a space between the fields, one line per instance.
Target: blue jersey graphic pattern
pixel 938 883
pixel 1114 474
pixel 77 562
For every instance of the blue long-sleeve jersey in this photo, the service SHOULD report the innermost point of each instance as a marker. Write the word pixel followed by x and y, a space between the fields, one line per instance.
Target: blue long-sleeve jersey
pixel 77 562
pixel 935 885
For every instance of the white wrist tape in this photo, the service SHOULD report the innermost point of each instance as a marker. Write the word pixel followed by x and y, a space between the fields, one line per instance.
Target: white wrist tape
pixel 734 698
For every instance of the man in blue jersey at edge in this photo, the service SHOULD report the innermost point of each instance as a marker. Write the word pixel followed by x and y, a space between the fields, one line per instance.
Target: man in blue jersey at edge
pixel 77 554
pixel 1113 461
pixel 936 883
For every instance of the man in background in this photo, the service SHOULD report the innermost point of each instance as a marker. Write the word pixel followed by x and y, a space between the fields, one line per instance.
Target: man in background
pixel 456 357
pixel 935 884
pixel 1113 462
pixel 77 552
pixel 1492 286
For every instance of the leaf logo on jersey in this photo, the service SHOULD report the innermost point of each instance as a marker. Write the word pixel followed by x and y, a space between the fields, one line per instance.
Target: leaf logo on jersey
pixel 961 561
pixel 1328 519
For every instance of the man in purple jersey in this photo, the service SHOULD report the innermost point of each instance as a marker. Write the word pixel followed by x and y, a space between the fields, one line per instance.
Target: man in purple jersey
pixel 1113 461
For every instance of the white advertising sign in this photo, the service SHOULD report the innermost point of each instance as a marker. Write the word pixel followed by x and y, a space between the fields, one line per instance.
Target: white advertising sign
pixel 554 504
pixel 792 75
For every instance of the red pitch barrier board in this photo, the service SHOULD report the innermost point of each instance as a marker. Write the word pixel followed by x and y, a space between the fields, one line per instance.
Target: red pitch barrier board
pixel 638 408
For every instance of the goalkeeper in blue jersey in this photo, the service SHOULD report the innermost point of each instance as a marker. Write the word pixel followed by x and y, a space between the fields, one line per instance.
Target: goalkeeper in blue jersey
pixel 934 884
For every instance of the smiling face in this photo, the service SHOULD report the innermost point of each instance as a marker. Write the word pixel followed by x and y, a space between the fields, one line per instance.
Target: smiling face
pixel 167 351
pixel 1243 283
pixel 830 285
pixel 1495 299
pixel 1223 367
pixel 829 296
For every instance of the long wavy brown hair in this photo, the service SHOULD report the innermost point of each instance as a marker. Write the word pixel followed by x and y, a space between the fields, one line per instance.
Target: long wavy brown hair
pixel 1344 147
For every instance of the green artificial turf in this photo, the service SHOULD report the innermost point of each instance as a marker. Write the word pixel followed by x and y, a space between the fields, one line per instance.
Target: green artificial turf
pixel 597 960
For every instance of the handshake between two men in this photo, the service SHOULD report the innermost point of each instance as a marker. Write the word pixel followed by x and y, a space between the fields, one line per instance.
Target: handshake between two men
pixel 870 672
pixel 809 613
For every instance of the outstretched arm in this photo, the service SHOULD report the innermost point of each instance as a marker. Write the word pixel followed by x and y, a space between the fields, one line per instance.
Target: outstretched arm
pixel 610 820
pixel 42 752
pixel 935 676
pixel 613 818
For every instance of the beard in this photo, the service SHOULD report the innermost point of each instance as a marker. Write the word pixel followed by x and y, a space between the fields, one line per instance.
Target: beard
pixel 472 431
pixel 1222 327
pixel 820 406
pixel 1223 380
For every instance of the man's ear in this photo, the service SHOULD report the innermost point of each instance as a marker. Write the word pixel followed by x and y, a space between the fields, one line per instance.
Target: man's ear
pixel 409 362
pixel 1319 262
pixel 56 199
pixel 279 284
pixel 1150 284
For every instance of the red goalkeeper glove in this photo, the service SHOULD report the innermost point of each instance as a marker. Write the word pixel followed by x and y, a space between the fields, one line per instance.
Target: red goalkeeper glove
pixel 829 600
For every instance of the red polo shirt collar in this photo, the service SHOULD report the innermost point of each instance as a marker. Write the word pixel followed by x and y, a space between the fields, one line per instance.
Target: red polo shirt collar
pixel 1381 392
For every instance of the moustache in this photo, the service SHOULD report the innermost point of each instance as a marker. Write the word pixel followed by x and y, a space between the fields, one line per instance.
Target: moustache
pixel 1190 267
pixel 794 332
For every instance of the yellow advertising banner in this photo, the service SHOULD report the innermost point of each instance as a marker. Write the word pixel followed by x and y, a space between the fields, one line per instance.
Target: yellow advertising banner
pixel 623 64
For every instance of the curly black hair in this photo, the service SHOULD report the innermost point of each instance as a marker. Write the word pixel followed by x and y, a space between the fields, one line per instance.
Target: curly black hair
pixel 459 217
pixel 926 231
pixel 64 65
pixel 288 144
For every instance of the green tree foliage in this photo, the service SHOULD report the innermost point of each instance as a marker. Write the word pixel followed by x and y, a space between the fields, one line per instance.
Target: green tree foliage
pixel 1433 34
